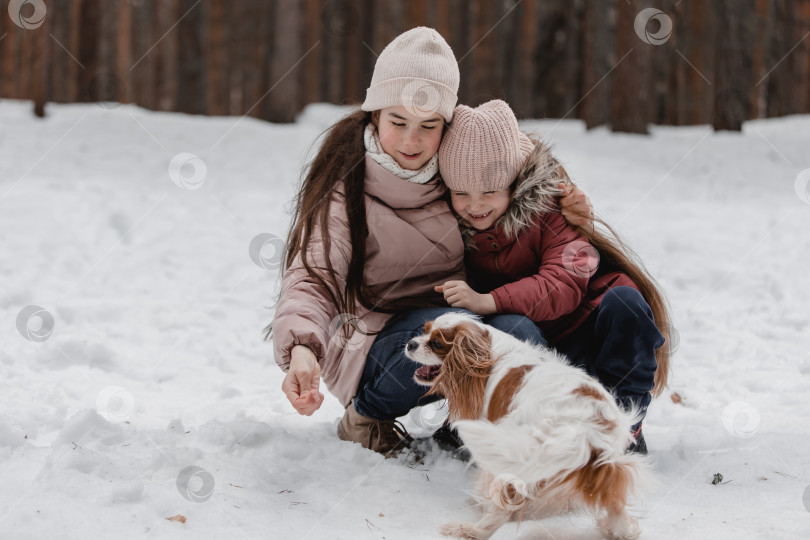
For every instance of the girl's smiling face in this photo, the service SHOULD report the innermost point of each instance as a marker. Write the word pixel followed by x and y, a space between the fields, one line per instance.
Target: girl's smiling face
pixel 410 139
pixel 480 208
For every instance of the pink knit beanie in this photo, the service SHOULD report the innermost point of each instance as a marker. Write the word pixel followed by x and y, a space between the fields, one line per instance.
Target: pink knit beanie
pixel 483 148
pixel 417 71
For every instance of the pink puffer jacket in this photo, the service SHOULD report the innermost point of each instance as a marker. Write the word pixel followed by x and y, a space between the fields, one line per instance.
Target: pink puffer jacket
pixel 413 244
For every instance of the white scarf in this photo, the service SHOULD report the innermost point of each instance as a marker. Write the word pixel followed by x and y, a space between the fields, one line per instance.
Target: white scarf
pixel 375 151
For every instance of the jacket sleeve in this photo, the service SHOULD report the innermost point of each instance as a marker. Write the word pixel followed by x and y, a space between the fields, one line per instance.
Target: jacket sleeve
pixel 567 261
pixel 305 310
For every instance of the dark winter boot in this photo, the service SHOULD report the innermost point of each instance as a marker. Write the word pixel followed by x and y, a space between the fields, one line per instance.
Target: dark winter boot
pixel 448 440
pixel 639 445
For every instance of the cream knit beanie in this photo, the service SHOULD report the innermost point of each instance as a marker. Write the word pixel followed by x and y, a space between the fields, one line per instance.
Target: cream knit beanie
pixel 483 148
pixel 417 71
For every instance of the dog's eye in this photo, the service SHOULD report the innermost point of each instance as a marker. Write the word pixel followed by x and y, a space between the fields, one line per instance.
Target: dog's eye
pixel 436 344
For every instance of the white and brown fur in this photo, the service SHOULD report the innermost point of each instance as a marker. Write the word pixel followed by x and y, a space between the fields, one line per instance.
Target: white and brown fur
pixel 547 437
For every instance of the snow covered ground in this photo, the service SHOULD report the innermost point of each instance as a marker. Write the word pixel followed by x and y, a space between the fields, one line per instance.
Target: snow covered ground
pixel 139 387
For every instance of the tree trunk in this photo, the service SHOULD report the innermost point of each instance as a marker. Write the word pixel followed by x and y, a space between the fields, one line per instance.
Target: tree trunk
pixel 123 56
pixel 556 48
pixel 597 59
pixel 631 99
pixel 778 75
pixel 166 55
pixel 190 69
pixel 801 58
pixel 59 27
pixel 89 28
pixel 143 38
pixel 284 96
pixel 216 49
pixel 732 104
pixel 40 68
pixel 763 29
pixel 353 89
pixel 264 49
pixel 524 67
pixel 104 86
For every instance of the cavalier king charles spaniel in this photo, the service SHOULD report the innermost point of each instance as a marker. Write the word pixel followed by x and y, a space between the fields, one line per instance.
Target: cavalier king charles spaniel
pixel 546 436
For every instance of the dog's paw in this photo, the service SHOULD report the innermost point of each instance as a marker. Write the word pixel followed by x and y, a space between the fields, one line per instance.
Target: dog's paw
pixel 508 492
pixel 462 530
pixel 452 529
pixel 623 527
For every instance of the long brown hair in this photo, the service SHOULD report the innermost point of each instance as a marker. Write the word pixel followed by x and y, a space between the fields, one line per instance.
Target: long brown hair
pixel 340 162
pixel 615 254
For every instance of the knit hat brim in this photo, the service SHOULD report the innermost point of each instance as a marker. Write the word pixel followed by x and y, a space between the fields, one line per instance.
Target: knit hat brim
pixel 421 97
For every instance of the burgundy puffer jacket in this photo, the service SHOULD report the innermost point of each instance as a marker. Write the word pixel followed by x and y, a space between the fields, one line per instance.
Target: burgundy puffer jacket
pixel 534 263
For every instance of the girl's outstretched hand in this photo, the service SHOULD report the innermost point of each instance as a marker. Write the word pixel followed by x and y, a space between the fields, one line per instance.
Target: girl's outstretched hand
pixel 459 294
pixel 575 206
pixel 302 381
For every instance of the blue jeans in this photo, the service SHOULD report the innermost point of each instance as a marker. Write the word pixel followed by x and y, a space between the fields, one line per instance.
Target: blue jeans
pixel 616 344
pixel 387 389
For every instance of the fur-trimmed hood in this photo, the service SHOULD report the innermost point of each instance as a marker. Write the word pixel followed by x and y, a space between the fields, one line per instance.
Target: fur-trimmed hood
pixel 535 191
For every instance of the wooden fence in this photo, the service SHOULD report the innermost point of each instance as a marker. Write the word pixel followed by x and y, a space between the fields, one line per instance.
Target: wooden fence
pixel 605 61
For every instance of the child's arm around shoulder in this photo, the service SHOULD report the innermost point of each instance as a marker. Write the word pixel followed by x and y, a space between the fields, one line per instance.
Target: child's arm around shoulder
pixel 567 261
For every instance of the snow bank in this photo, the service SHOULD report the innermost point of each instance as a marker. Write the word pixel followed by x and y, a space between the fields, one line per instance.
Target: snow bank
pixel 151 394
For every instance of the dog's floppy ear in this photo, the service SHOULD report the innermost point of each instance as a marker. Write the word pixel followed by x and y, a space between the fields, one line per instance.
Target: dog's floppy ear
pixel 474 346
pixel 465 369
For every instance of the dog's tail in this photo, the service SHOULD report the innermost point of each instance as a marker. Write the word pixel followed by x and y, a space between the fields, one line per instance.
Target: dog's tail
pixel 609 484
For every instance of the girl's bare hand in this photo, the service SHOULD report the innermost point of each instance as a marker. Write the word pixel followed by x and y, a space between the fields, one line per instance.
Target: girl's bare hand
pixel 459 294
pixel 575 206
pixel 302 381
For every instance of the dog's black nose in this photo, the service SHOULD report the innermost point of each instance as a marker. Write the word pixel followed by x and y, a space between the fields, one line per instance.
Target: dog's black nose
pixel 412 345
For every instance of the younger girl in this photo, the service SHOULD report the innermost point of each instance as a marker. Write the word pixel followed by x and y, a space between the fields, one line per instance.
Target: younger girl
pixel 592 300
